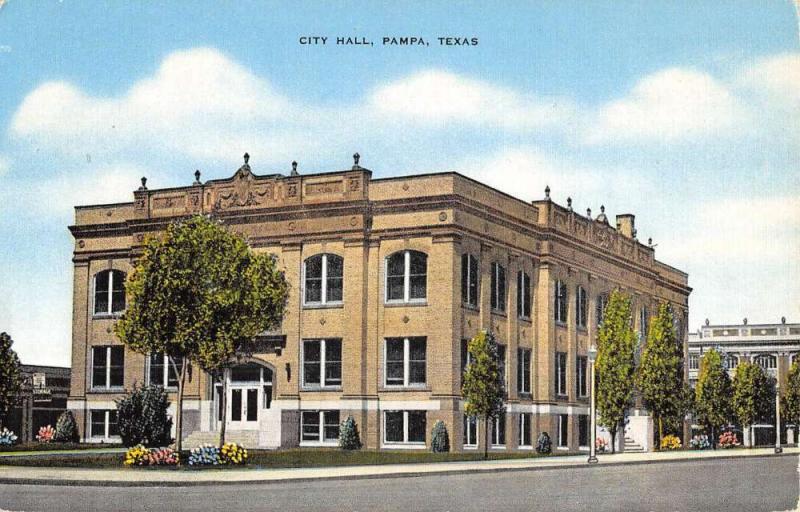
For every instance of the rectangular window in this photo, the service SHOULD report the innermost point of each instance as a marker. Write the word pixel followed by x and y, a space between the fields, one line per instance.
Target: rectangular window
pixel 103 423
pixel 406 361
pixel 320 426
pixel 581 308
pixel 581 376
pixel 523 295
pixel 404 427
pixel 498 282
pixel 466 357
pixel 470 280
pixel 161 369
pixel 560 304
pixel 322 363
pixel 694 361
pixel 583 430
pixel 525 429
pixel 499 431
pixel 524 370
pixel 108 367
pixel 600 306
pixel 470 431
pixel 561 373
pixel 501 363
pixel 644 323
pixel 562 431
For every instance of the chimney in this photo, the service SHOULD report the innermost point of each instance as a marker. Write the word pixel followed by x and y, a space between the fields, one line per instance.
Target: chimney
pixel 625 224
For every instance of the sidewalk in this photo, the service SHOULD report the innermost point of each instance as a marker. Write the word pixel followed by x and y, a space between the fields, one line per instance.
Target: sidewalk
pixel 160 478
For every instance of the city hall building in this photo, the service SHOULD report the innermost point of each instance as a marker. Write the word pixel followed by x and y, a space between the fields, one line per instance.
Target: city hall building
pixel 389 279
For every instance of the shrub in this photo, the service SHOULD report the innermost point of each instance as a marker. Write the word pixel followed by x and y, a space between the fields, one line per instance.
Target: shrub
pixel 232 453
pixel 600 444
pixel 205 455
pixel 349 438
pixel 728 440
pixel 141 456
pixel 700 442
pixel 142 417
pixel 670 442
pixel 543 443
pixel 66 428
pixel 440 440
pixel 7 437
pixel 45 434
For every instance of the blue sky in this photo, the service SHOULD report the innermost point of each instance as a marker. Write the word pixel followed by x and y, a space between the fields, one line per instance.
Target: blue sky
pixel 679 112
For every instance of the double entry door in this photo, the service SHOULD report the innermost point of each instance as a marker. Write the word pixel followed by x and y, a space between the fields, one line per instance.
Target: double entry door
pixel 244 404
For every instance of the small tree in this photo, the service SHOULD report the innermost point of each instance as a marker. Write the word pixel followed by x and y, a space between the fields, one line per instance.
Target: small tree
pixel 142 417
pixel 753 394
pixel 482 388
pixel 791 395
pixel 349 438
pixel 712 394
pixel 10 376
pixel 616 346
pixel 66 428
pixel 440 439
pixel 660 373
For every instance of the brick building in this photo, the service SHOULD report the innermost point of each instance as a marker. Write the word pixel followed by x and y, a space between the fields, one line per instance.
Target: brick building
pixel 388 278
pixel 42 399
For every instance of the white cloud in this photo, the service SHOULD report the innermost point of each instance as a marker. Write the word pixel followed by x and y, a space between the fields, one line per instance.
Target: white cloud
pixel 669 105
pixel 776 77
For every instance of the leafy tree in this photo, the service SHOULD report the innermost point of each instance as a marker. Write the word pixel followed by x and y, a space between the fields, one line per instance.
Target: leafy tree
pixel 142 417
pixel 791 395
pixel 66 428
pixel 753 394
pixel 712 393
pixel 482 387
pixel 10 376
pixel 616 346
pixel 349 438
pixel 198 294
pixel 660 373
pixel 440 439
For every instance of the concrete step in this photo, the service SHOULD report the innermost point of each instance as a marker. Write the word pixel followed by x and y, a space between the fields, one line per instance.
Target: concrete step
pixel 246 438
pixel 632 446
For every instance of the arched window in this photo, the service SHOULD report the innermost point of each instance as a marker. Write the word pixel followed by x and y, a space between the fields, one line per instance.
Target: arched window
pixel 324 279
pixel 767 361
pixel 406 276
pixel 109 292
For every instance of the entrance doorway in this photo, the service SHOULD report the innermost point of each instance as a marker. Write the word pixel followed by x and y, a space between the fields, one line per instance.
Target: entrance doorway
pixel 249 389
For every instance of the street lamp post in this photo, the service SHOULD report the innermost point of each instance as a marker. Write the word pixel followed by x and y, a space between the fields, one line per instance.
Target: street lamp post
pixel 778 448
pixel 592 442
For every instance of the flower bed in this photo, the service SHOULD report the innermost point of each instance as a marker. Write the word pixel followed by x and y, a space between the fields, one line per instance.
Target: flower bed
pixel 46 434
pixel 141 456
pixel 670 442
pixel 7 438
pixel 728 440
pixel 700 442
pixel 210 455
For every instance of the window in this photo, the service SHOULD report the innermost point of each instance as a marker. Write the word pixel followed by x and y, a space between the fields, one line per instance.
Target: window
pixel 466 357
pixel 644 323
pixel 524 370
pixel 498 299
pixel 470 280
pixel 323 279
pixel 581 374
pixel 523 295
pixel 562 430
pixel 103 423
pixel 406 277
pixel 470 432
pixel 767 361
pixel 161 372
pixel 525 429
pixel 405 361
pixel 501 363
pixel 407 427
pixel 108 364
pixel 109 292
pixel 694 361
pixel 499 431
pixel 731 362
pixel 320 426
pixel 560 307
pixel 581 309
pixel 583 430
pixel 602 301
pixel 322 363
pixel 561 373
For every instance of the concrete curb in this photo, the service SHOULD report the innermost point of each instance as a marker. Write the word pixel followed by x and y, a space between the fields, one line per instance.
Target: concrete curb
pixel 399 474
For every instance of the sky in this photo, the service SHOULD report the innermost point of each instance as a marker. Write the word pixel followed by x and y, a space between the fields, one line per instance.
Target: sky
pixel 683 113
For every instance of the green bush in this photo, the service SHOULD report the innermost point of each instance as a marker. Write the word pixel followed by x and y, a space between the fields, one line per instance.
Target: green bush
pixel 66 428
pixel 440 440
pixel 349 438
pixel 142 417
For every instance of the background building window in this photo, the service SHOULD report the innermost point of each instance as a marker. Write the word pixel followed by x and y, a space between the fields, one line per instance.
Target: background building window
pixel 562 431
pixel 498 281
pixel 108 367
pixel 103 423
pixel 406 427
pixel 406 360
pixel 581 376
pixel 767 361
pixel 600 311
pixel 525 429
pixel 644 323
pixel 581 307
pixel 561 373
pixel 322 363
pixel 406 276
pixel 470 431
pixel 109 292
pixel 161 371
pixel 560 305
pixel 324 277
pixel 524 370
pixel 499 431
pixel 523 295
pixel 470 279
pixel 731 362
pixel 583 430
pixel 320 426
pixel 694 361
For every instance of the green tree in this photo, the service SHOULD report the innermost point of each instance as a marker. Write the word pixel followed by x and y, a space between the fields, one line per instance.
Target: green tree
pixel 616 345
pixel 790 401
pixel 10 376
pixel 753 394
pixel 712 394
pixel 482 388
pixel 66 428
pixel 660 373
pixel 198 294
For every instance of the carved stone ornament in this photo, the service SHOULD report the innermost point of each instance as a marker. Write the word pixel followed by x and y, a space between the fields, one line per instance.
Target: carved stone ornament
pixel 322 321
pixel 81 244
pixel 405 319
pixel 242 193
pixel 442 216
pixel 353 221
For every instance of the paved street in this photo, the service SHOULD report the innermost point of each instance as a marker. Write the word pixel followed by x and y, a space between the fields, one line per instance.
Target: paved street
pixel 750 484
